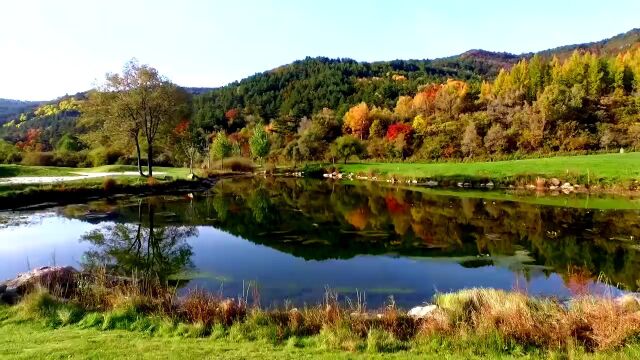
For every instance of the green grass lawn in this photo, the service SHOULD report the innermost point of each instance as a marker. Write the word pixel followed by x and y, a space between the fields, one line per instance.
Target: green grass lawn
pixel 22 170
pixel 601 168
pixel 22 338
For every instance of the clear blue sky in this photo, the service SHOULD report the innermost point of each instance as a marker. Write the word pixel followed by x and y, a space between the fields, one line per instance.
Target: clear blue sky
pixel 49 48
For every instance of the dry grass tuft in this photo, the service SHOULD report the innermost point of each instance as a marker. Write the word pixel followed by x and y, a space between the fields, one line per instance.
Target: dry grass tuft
pixel 603 324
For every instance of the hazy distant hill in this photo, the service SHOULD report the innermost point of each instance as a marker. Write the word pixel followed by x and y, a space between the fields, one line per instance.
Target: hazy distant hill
pixel 9 108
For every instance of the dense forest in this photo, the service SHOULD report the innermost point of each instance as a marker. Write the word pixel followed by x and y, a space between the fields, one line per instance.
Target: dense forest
pixel 477 105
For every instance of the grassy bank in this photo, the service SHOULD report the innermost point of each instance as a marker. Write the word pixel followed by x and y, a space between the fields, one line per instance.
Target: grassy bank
pixel 16 196
pixel 100 319
pixel 601 169
pixel 22 170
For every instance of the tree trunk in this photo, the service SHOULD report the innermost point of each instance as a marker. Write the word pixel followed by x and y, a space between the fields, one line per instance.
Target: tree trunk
pixel 191 165
pixel 150 160
pixel 138 155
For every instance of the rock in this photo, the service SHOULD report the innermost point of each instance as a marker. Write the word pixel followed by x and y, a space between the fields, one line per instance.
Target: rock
pixel 10 297
pixel 630 302
pixel 566 187
pixel 51 277
pixel 553 187
pixel 421 312
pixel 490 184
pixel 554 182
pixel 3 288
pixel 431 183
pixel 530 186
pixel 192 177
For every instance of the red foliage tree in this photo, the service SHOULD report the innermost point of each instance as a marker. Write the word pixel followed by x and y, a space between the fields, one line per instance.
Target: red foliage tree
pixel 398 129
pixel 182 127
pixel 31 141
pixel 232 114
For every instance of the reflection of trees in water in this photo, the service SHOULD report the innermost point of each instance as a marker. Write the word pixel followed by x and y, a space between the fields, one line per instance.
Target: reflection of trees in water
pixel 142 247
pixel 361 219
pixel 322 220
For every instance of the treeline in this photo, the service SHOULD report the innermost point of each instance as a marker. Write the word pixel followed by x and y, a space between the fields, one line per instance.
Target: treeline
pixel 538 106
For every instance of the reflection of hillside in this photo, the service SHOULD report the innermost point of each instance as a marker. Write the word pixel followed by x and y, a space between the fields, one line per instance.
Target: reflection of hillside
pixel 322 220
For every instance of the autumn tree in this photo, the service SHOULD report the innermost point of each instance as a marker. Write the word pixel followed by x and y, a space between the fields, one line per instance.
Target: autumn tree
pixel 471 142
pixel 189 141
pixel 357 120
pixel 137 103
pixel 495 141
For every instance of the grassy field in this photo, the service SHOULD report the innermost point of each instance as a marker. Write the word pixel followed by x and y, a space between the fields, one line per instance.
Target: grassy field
pixel 21 170
pixel 600 169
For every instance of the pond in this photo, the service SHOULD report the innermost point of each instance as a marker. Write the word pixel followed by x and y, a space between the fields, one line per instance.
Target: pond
pixel 291 239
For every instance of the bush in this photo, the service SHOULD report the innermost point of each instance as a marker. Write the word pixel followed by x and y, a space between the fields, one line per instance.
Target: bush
pixel 108 184
pixel 312 171
pixel 104 156
pixel 9 154
pixel 238 164
pixel 38 159
pixel 70 159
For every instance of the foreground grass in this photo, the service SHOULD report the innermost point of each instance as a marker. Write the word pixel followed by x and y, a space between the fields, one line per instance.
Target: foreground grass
pixel 605 169
pixel 28 338
pixel 475 323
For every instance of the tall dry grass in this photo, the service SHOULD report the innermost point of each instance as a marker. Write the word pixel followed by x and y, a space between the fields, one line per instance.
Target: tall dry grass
pixel 588 322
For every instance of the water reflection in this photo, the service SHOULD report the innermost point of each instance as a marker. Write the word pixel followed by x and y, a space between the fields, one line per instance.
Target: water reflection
pixel 294 237
pixel 142 247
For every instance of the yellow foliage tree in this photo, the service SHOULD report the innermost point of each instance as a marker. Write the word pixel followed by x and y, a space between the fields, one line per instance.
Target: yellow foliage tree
pixel 357 120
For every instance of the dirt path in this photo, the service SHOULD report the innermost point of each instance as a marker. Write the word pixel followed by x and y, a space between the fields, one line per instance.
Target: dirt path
pixel 56 179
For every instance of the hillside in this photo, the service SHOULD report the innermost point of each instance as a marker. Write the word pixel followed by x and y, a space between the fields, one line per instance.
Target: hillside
pixel 609 47
pixel 303 88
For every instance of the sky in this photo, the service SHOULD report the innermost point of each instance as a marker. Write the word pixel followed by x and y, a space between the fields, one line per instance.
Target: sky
pixel 52 48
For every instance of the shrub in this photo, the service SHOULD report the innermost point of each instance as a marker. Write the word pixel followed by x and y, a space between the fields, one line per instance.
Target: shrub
pixel 103 156
pixel 109 184
pixel 9 154
pixel 70 159
pixel 239 164
pixel 38 159
pixel 151 181
pixel 312 171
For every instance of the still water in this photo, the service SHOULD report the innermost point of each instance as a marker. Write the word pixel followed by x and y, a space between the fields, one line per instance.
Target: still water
pixel 294 238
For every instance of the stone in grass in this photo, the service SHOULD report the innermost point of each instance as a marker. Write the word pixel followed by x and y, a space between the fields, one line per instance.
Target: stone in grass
pixel 421 312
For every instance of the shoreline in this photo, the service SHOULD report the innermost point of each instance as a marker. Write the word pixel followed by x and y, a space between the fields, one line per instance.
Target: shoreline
pixel 47 195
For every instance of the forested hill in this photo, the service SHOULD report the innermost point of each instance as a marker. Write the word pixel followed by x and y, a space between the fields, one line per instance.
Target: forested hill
pixel 608 47
pixel 307 86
